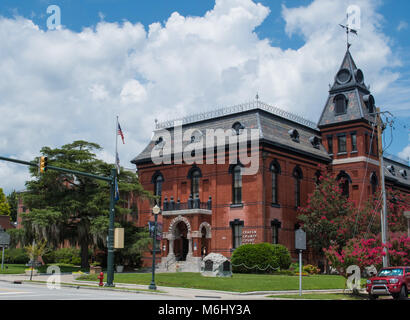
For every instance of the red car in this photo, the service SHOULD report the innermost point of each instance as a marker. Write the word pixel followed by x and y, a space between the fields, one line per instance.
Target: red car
pixel 394 281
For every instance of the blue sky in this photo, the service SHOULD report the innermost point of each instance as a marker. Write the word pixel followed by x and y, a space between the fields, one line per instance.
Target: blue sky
pixel 300 32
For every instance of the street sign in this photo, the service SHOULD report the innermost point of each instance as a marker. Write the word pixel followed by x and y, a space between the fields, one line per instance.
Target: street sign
pixel 300 239
pixel 4 239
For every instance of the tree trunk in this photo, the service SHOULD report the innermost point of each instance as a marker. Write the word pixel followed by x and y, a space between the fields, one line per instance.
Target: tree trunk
pixel 84 255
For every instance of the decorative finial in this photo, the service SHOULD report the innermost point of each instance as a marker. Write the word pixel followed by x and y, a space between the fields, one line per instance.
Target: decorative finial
pixel 348 30
pixel 257 96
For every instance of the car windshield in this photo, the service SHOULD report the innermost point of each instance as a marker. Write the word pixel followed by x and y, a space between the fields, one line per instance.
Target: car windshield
pixel 390 272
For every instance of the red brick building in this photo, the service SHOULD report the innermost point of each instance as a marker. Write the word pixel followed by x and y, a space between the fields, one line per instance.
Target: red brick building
pixel 214 208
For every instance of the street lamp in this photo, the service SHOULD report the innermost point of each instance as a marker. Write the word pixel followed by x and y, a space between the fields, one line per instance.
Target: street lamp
pixel 156 210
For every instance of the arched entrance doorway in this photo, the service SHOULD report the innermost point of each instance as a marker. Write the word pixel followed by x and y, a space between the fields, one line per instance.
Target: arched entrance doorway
pixel 181 242
pixel 204 242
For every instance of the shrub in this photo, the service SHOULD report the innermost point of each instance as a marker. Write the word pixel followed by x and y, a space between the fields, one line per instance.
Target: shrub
pixel 260 258
pixel 311 269
pixel 16 256
pixel 67 256
pixel 49 257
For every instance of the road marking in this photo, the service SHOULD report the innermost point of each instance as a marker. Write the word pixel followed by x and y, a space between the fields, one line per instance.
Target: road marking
pixel 15 292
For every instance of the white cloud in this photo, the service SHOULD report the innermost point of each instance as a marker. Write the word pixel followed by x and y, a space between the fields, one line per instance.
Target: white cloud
pixel 57 86
pixel 405 153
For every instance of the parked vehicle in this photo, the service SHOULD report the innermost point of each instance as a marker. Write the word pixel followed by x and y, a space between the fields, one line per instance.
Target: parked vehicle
pixel 394 281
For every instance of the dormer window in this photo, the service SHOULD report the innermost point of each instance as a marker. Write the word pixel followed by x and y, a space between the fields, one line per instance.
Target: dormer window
pixel 391 170
pixel 294 134
pixel 237 126
pixel 369 101
pixel 403 173
pixel 340 102
pixel 196 136
pixel 159 143
pixel 315 141
pixel 159 140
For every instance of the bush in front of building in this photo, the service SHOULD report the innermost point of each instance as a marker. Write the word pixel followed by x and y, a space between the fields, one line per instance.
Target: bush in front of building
pixel 16 256
pixel 63 255
pixel 260 258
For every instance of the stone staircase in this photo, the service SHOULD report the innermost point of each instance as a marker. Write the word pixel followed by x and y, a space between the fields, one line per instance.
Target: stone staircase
pixel 171 265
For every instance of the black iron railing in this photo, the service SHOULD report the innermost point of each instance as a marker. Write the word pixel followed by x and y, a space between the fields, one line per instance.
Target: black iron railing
pixel 192 203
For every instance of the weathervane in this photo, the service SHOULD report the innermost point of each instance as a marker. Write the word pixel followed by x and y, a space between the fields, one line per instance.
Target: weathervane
pixel 348 30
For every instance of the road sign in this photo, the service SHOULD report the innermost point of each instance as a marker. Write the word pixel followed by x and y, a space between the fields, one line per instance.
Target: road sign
pixel 300 239
pixel 4 239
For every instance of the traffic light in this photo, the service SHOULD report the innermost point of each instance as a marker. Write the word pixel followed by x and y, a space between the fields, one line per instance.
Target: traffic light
pixel 43 164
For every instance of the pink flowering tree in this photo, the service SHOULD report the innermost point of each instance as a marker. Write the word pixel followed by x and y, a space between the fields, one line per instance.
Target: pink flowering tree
pixel 324 214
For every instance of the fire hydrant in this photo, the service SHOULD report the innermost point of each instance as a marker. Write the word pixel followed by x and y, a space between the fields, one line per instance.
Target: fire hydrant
pixel 101 277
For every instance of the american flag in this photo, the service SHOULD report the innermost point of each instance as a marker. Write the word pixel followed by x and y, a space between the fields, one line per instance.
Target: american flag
pixel 120 133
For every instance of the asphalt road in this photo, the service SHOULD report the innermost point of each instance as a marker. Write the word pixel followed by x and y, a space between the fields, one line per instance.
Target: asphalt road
pixel 26 291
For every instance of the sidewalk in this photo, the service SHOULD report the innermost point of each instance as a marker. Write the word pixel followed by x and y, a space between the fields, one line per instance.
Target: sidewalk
pixel 68 280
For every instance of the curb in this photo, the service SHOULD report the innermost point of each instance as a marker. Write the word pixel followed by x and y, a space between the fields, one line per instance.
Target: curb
pixel 77 286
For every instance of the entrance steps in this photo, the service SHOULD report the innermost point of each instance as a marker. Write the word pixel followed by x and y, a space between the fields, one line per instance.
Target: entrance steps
pixel 192 264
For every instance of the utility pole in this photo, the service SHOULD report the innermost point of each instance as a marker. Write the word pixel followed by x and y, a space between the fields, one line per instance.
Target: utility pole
pixel 383 215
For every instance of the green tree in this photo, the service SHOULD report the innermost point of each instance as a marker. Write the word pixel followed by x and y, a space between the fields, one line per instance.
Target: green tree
pixel 136 241
pixel 4 206
pixel 73 207
pixel 36 250
pixel 13 204
pixel 326 210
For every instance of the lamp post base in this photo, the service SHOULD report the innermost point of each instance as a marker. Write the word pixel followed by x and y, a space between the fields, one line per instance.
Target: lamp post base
pixel 152 286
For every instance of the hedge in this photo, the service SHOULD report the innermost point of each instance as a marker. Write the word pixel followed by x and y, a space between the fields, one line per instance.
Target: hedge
pixel 16 256
pixel 63 255
pixel 260 258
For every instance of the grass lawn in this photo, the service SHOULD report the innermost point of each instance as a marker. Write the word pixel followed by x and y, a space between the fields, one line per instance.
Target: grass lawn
pixel 13 268
pixel 237 283
pixel 19 268
pixel 320 296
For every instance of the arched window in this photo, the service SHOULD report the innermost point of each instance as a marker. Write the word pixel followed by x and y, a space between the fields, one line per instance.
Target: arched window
pixel 275 170
pixel 374 182
pixel 194 175
pixel 344 180
pixel 157 180
pixel 340 102
pixel 236 184
pixel 297 175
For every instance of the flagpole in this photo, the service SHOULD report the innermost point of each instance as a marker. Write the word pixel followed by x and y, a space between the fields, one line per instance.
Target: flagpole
pixel 116 146
pixel 116 140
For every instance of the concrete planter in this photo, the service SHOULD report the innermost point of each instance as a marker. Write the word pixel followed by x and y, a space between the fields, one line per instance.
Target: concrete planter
pixel 95 270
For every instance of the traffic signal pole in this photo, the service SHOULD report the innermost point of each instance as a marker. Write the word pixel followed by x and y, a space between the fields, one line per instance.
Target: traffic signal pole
pixel 111 180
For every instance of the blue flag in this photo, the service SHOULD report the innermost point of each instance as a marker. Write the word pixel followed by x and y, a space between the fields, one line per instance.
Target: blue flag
pixel 117 191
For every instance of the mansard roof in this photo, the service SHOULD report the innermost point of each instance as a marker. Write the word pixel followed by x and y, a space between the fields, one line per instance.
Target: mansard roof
pixel 349 82
pixel 274 125
pixel 396 170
